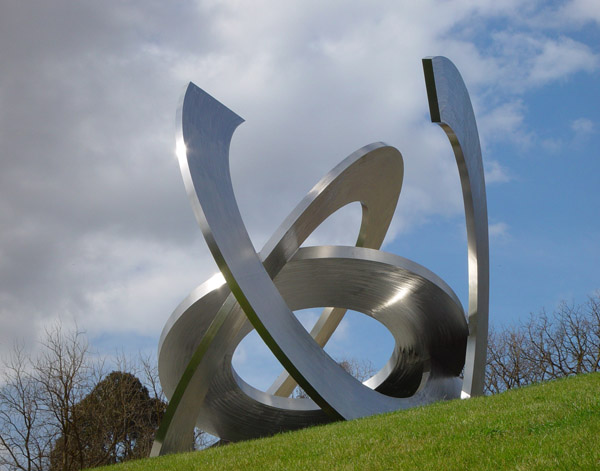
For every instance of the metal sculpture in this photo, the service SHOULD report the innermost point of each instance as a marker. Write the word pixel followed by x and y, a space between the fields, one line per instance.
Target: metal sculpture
pixel 433 341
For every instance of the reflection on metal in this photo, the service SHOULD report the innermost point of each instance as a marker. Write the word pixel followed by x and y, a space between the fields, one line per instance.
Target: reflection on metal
pixel 433 341
pixel 450 107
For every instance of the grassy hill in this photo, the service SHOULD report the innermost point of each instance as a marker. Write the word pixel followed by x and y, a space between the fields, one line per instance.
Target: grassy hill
pixel 554 425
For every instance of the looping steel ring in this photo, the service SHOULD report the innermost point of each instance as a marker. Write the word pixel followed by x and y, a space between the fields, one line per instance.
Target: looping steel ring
pixel 260 291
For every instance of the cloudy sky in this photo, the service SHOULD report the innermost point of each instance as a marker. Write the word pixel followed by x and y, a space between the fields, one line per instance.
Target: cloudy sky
pixel 95 226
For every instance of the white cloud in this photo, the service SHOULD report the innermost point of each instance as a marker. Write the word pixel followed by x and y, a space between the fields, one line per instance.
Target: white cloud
pixel 531 58
pixel 582 11
pixel 496 173
pixel 95 222
pixel 552 145
pixel 506 123
pixel 583 126
pixel 498 230
pixel 561 58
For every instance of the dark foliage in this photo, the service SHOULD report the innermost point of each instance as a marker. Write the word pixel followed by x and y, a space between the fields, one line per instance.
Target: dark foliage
pixel 60 411
pixel 115 422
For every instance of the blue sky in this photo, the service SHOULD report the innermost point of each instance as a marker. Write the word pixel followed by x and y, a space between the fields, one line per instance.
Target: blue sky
pixel 95 226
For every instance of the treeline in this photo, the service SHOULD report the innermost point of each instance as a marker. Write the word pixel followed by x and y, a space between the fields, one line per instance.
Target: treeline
pixel 64 410
pixel 545 347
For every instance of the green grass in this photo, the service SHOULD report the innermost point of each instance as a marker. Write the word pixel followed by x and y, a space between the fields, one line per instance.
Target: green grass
pixel 554 425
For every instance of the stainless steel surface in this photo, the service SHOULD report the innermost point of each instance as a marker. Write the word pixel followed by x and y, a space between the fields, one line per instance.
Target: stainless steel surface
pixel 450 107
pixel 260 291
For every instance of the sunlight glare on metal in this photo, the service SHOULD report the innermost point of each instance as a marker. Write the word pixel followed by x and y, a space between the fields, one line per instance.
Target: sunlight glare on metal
pixel 180 149
pixel 260 291
pixel 399 296
pixel 215 281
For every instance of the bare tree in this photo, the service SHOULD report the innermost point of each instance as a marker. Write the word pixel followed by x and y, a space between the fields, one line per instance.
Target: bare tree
pixel 149 375
pixel 63 372
pixel 25 439
pixel 507 364
pixel 116 421
pixel 545 347
pixel 60 411
pixel 361 369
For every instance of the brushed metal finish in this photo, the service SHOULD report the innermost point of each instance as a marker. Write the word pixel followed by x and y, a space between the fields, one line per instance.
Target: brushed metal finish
pixel 450 107
pixel 260 290
pixel 317 276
